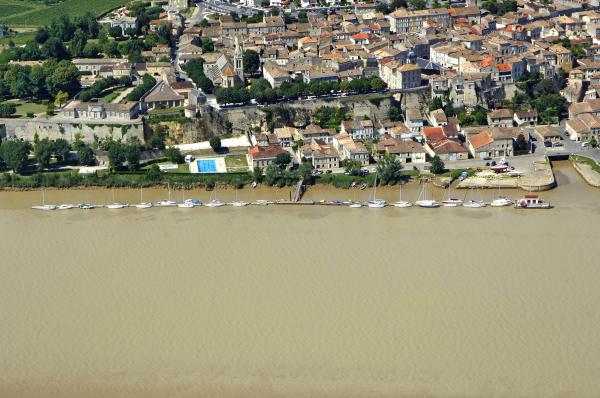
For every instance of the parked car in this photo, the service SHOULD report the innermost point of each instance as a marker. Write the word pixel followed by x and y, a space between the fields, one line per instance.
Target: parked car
pixel 585 145
pixel 547 144
pixel 487 158
pixel 557 144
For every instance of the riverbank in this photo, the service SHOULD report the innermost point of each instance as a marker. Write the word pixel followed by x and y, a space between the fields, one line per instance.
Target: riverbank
pixel 538 177
pixel 588 169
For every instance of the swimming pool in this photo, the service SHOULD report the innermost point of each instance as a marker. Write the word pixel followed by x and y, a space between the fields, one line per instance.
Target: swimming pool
pixel 207 166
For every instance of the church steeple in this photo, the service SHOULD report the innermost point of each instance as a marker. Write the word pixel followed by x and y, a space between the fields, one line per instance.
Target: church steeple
pixel 238 60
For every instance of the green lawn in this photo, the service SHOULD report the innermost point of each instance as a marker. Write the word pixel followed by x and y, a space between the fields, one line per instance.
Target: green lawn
pixel 236 163
pixel 588 161
pixel 24 107
pixel 110 95
pixel 18 39
pixel 183 168
pixel 20 13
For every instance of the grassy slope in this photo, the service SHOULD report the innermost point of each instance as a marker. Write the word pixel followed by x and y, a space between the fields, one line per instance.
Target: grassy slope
pixel 42 15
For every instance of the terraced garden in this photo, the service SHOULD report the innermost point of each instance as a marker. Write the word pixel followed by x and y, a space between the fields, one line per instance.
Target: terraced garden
pixel 31 13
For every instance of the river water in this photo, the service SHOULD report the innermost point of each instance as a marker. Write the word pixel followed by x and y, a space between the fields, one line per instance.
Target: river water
pixel 312 301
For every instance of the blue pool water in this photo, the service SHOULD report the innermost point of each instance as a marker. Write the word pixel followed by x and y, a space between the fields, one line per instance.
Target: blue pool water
pixel 207 166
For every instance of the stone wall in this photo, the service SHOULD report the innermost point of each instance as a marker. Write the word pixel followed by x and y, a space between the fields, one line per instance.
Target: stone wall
pixel 54 128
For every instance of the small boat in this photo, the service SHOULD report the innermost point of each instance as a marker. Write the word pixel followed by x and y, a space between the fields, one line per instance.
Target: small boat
pixel 65 207
pixel 499 168
pixel 401 203
pixel 334 203
pixel 501 202
pixel 44 207
pixel 514 173
pixel 185 205
pixel 532 202
pixel 452 202
pixel 143 205
pixel 195 202
pixel 254 184
pixel 86 206
pixel 377 203
pixel 260 202
pixel 215 203
pixel 474 204
pixel 355 205
pixel 427 203
pixel 353 184
pixel 363 186
pixel 238 203
pixel 168 202
pixel 115 205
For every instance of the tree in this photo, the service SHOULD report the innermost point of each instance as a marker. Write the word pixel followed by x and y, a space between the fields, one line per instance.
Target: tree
pixel 389 169
pixel 65 77
pixel 61 98
pixel 85 156
pixel 115 32
pixel 207 45
pixel 78 43
pixel 116 155
pixel 7 110
pixel 305 171
pixel 593 142
pixel 174 155
pixel 14 154
pixel 215 143
pixel 351 166
pixel 257 174
pixel 133 154
pixel 437 165
pixel 43 152
pixel 417 4
pixel 158 137
pixel 394 114
pixel 54 48
pixel 436 103
pixel 61 149
pixel 251 62
pixel 283 159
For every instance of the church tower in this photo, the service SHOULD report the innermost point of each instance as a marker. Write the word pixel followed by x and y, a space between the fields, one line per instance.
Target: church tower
pixel 238 61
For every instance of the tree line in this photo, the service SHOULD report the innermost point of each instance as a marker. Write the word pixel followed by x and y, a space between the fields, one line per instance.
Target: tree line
pixel 263 93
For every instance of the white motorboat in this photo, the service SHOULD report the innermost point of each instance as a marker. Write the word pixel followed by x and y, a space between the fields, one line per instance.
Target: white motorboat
pixel 501 202
pixel 186 205
pixel 514 173
pixel 260 202
pixel 474 204
pixel 44 207
pixel 427 203
pixel 86 206
pixel 214 203
pixel 65 207
pixel 355 205
pixel 377 203
pixel 254 184
pixel 452 202
pixel 532 202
